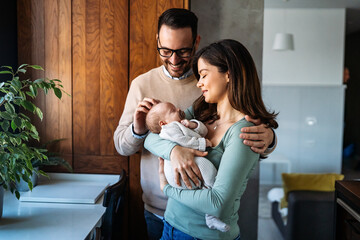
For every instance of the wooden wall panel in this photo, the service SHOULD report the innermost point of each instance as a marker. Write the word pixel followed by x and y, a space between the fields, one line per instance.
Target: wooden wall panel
pixel 46 42
pixel 107 76
pixel 100 77
pixel 96 47
pixel 91 120
pixel 65 74
pixel 79 75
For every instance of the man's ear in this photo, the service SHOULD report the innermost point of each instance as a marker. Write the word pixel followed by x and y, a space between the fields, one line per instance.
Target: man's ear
pixel 197 42
pixel 162 123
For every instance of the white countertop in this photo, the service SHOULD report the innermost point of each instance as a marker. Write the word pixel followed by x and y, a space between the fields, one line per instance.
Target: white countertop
pixel 40 220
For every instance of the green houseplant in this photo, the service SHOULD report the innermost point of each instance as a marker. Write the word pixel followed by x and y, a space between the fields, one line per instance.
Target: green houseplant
pixel 16 154
pixel 52 159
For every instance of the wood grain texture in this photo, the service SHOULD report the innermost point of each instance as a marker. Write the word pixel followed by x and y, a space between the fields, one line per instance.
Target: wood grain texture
pixel 43 41
pixel 100 164
pixel 37 57
pixel 31 27
pixel 100 73
pixel 91 122
pixel 51 67
pixel 107 77
pixel 121 64
pixel 79 75
pixel 65 75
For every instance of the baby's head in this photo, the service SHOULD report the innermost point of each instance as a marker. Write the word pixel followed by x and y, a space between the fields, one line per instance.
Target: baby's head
pixel 162 114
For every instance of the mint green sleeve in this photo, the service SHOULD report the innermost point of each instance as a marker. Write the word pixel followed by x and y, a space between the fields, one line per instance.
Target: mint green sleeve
pixel 236 164
pixel 161 147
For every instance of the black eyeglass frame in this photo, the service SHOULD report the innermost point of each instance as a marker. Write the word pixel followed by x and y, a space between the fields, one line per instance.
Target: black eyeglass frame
pixel 176 51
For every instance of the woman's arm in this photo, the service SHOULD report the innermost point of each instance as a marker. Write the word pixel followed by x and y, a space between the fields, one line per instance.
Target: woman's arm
pixel 237 162
pixel 161 147
pixel 182 159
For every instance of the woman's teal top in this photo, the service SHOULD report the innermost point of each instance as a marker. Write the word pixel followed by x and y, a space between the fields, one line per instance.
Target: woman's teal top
pixel 186 209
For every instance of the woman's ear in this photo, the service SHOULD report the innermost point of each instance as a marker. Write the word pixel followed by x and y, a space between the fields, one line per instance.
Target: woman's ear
pixel 227 76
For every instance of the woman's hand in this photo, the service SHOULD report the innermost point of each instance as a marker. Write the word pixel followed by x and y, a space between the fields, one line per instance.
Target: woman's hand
pixel 182 161
pixel 163 181
pixel 258 137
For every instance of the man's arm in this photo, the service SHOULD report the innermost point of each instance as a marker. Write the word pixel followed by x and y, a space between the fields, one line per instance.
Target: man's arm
pixel 129 134
pixel 260 137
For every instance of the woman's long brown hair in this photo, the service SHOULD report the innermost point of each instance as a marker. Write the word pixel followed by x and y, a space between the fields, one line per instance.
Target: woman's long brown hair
pixel 244 89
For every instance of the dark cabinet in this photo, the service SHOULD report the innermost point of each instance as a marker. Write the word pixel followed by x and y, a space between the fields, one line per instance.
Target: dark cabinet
pixel 347 210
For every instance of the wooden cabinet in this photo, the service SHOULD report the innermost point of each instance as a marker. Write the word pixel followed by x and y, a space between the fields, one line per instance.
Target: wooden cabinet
pixel 95 47
pixel 347 210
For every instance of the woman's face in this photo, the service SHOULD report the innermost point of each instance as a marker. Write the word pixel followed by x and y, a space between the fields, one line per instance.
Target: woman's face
pixel 213 83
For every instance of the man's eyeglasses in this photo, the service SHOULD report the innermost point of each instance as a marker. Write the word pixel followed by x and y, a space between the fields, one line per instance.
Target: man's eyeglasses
pixel 182 52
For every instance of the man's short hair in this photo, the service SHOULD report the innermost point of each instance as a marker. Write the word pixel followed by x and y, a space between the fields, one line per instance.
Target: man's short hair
pixel 179 18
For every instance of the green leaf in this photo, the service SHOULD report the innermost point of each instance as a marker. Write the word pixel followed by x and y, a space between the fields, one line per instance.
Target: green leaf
pixel 30 94
pixel 24 116
pixel 23 66
pixel 58 92
pixel 28 105
pixel 5 125
pixel 37 67
pixel 39 113
pixel 28 164
pixel 8 67
pixel 33 90
pixel 43 173
pixel 13 125
pixel 17 194
pixel 16 83
pixel 22 70
pixel 6 115
pixel 18 122
pixel 40 80
pixel 9 108
pixel 6 72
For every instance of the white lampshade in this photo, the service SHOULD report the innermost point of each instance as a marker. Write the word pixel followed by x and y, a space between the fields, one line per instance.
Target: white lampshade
pixel 283 41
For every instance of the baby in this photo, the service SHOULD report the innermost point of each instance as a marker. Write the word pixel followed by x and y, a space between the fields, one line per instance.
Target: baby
pixel 167 120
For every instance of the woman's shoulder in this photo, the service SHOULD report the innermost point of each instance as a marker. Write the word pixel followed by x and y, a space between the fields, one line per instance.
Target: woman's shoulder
pixel 242 123
pixel 235 129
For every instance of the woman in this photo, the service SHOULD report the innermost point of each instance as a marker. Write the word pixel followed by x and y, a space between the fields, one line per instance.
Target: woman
pixel 231 89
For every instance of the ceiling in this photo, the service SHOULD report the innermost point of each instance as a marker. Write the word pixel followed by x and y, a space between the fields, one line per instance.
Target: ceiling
pixel 352 9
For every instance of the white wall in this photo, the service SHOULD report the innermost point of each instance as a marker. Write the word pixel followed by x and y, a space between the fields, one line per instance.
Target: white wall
pixel 305 87
pixel 319 47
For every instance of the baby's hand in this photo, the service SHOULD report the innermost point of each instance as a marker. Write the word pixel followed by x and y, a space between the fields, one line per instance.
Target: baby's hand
pixel 189 124
pixel 208 143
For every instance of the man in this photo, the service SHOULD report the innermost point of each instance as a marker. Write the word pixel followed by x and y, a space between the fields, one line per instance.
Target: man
pixel 174 82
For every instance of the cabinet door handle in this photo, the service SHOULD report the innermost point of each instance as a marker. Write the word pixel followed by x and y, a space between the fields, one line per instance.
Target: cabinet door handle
pixel 348 209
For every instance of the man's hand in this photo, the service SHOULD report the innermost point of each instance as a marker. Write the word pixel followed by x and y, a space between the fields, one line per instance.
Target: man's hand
pixel 140 114
pixel 163 181
pixel 182 161
pixel 258 137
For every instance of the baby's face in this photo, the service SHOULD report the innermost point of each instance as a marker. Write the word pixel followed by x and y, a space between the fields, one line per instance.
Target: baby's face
pixel 171 113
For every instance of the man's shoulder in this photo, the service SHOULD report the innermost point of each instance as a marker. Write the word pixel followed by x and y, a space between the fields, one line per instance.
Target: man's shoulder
pixel 148 75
